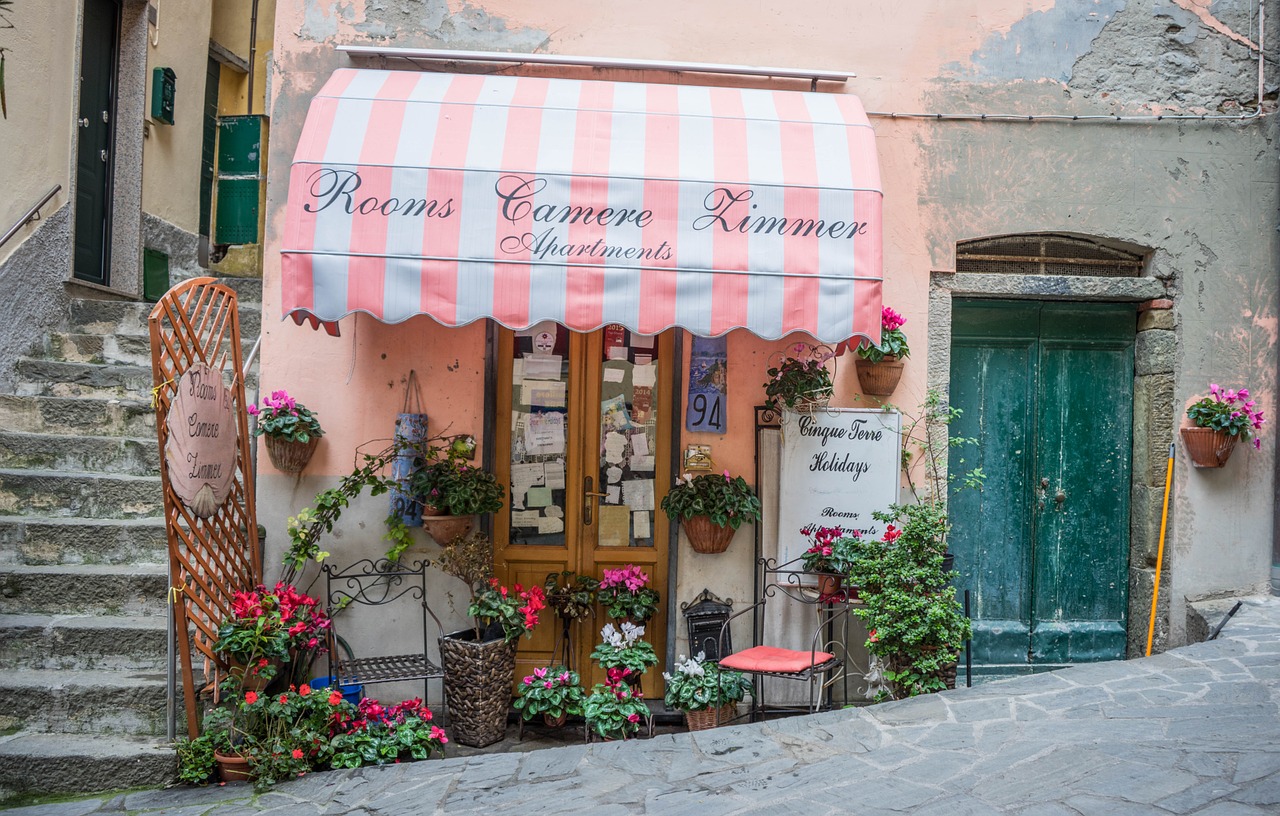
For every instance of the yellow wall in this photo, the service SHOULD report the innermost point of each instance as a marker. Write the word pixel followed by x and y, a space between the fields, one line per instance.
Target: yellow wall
pixel 230 28
pixel 40 92
pixel 171 155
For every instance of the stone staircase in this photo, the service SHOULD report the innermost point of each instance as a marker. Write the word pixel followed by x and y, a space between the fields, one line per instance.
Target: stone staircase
pixel 83 561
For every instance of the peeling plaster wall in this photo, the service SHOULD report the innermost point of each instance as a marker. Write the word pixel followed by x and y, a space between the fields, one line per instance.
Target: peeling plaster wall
pixel 1203 196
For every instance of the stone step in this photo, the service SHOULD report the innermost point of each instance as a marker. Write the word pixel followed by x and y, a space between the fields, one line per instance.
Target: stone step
pixel 33 763
pixel 129 349
pixel 136 589
pixel 55 378
pixel 112 317
pixel 75 416
pixel 66 494
pixel 83 642
pixel 35 541
pixel 103 454
pixel 84 702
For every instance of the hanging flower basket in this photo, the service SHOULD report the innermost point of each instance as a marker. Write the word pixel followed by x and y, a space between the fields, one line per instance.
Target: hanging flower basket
pixel 477 684
pixel 879 379
pixel 446 528
pixel 707 537
pixel 710 717
pixel 1208 448
pixel 290 457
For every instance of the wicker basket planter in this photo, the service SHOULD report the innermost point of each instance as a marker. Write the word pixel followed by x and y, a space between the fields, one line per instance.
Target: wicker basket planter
pixel 477 684
pixel 290 457
pixel 446 528
pixel 1208 448
pixel 705 536
pixel 710 717
pixel 879 379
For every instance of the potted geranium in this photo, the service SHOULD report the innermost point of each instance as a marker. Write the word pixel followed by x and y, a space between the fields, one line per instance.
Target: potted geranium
pixel 475 659
pixel 625 649
pixel 801 381
pixel 452 491
pixel 880 367
pixel 615 709
pixel 1221 420
pixel 551 692
pixel 625 595
pixel 830 555
pixel 707 694
pixel 292 431
pixel 711 508
pixel 267 629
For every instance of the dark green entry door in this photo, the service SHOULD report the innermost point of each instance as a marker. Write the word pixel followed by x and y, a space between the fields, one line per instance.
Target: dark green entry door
pixel 1043 547
pixel 95 126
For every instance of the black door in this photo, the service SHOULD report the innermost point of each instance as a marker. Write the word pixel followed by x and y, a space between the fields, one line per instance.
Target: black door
pixel 96 129
pixel 213 72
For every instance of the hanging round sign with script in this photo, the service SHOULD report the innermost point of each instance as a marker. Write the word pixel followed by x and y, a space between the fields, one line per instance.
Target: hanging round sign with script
pixel 201 451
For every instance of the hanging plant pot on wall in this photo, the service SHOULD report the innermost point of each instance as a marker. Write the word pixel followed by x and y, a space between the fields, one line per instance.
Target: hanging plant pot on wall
pixel 879 379
pixel 705 536
pixel 1208 448
pixel 444 529
pixel 288 456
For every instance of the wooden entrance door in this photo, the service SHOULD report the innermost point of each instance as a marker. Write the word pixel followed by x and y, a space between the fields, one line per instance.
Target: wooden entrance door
pixel 1043 547
pixel 585 457
pixel 96 138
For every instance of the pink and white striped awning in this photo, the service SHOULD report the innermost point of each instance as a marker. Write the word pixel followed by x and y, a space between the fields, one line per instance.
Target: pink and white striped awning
pixel 527 199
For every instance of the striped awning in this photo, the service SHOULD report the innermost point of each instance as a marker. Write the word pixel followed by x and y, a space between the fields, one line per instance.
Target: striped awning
pixel 526 199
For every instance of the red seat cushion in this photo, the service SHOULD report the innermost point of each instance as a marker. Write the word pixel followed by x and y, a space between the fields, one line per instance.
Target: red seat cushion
pixel 773 659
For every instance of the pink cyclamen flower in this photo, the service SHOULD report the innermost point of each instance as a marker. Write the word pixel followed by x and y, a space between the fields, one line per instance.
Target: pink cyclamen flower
pixel 253 410
pixel 547 684
pixel 633 717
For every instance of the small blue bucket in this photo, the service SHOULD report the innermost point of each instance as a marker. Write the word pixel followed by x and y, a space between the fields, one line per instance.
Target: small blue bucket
pixel 350 693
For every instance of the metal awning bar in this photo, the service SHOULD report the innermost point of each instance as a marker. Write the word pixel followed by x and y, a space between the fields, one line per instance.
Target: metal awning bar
pixel 441 55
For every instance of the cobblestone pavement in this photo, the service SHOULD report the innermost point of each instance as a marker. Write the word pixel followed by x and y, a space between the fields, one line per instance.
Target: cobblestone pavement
pixel 1195 730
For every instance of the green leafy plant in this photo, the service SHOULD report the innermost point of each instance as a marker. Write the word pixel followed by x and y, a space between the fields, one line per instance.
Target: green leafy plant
pixel 515 610
pixel 285 418
pixel 270 627
pixel 698 685
pixel 378 735
pixel 444 481
pixel 624 649
pixel 572 596
pixel 550 690
pixel 1229 411
pixel 892 340
pixel 833 550
pixel 728 502
pixel 799 379
pixel 625 594
pixel 913 618
pixel 615 709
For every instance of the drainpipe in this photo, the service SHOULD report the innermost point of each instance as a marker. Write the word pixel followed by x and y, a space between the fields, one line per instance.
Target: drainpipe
pixel 253 53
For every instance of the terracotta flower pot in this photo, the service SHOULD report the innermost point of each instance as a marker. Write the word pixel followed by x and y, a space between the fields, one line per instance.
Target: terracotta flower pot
pixel 554 722
pixel 705 536
pixel 446 528
pixel 829 583
pixel 879 379
pixel 232 767
pixel 1208 448
pixel 290 457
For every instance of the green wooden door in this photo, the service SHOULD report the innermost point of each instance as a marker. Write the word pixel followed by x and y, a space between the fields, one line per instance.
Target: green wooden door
pixel 1047 389
pixel 95 126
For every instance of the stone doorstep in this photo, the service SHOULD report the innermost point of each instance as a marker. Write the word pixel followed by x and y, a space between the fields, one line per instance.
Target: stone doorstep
pixel 134 590
pixel 76 415
pixel 76 494
pixel 71 763
pixel 81 542
pixel 131 456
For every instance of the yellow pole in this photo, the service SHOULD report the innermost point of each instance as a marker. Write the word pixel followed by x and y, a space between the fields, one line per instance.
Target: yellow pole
pixel 1164 519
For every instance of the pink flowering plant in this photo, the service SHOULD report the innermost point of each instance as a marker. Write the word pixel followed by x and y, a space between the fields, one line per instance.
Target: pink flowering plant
pixel 832 549
pixel 892 340
pixel 1231 412
pixel 727 500
pixel 615 709
pixel 802 377
pixel 550 690
pixel 285 418
pixel 624 593
pixel 378 735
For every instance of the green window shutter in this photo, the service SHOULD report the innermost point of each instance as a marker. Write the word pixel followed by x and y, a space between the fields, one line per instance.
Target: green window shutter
pixel 240 179
pixel 155 274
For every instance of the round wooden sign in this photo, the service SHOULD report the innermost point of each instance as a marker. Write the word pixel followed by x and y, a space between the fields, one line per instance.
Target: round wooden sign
pixel 201 450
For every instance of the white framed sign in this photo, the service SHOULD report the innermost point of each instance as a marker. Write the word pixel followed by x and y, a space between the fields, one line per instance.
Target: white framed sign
pixel 838 466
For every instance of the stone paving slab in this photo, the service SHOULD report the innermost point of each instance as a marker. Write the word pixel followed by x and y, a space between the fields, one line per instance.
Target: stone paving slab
pixel 1192 731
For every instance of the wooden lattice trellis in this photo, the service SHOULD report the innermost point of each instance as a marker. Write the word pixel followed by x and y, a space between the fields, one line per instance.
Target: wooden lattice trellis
pixel 210 559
